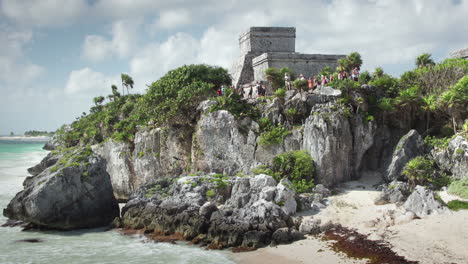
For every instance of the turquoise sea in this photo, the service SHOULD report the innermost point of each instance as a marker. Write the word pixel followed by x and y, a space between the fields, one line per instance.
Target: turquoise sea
pixel 85 246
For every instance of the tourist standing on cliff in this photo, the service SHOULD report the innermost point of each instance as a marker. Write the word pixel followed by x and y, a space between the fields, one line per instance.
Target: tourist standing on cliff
pixel 223 90
pixel 250 91
pixel 310 84
pixel 219 92
pixel 324 81
pixel 287 81
pixel 355 74
pixel 258 87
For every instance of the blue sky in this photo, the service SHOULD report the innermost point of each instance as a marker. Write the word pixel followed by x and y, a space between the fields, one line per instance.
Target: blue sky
pixel 56 55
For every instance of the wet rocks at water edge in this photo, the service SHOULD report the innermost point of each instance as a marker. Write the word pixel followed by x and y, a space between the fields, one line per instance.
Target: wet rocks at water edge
pixel 216 211
pixel 75 193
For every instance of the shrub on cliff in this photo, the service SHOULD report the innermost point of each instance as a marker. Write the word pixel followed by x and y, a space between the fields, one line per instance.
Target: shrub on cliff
pixel 419 171
pixel 167 101
pixel 298 167
pixel 459 188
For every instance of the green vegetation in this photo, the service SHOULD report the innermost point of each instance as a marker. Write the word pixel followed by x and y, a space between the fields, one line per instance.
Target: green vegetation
pixel 210 193
pixel 298 167
pixel 419 171
pixel 457 205
pixel 276 76
pixel 300 85
pixel 424 60
pixel 459 188
pixel 232 102
pixel 35 133
pixel 280 93
pixel 271 134
pixel 220 180
pixel 437 142
pixel 166 102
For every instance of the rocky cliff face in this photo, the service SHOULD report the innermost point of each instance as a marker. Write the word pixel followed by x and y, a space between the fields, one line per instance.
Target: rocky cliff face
pixel 215 211
pixel 454 158
pixel 221 143
pixel 67 196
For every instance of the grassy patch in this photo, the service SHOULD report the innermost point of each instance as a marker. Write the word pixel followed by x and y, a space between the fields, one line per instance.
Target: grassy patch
pixel 457 205
pixel 459 188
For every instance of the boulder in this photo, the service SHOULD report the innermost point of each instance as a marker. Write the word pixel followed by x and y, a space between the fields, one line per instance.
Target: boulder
pixel 285 236
pixel 395 192
pixel 247 215
pixel 454 158
pixel 285 197
pixel 77 195
pixel 410 146
pixel 310 226
pixel 422 202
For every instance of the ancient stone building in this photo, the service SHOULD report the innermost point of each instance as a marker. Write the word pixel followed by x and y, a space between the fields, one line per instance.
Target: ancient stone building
pixel 265 47
pixel 463 53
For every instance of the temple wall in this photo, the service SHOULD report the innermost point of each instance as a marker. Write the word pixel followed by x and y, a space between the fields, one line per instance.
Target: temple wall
pixel 307 64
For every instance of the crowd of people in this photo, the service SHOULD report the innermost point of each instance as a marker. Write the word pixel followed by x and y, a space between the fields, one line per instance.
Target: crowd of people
pixel 259 88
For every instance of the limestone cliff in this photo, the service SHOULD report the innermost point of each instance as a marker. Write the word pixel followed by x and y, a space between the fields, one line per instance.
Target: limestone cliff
pixel 220 142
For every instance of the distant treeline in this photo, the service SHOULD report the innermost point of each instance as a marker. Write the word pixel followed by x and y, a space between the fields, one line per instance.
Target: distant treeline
pixel 34 133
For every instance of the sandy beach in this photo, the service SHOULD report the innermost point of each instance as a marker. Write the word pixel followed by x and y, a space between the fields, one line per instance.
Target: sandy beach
pixel 433 239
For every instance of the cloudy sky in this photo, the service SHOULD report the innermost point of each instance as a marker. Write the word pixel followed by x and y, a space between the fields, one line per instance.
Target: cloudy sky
pixel 56 55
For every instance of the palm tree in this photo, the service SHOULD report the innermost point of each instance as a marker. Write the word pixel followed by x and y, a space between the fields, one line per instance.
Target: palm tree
pixel 429 105
pixel 126 81
pixel 424 60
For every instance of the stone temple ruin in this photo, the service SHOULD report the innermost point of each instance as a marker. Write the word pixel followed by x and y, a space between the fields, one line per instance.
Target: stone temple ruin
pixel 265 47
pixel 463 53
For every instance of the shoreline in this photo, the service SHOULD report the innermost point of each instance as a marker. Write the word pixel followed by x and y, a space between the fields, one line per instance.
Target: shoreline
pixel 26 138
pixel 434 239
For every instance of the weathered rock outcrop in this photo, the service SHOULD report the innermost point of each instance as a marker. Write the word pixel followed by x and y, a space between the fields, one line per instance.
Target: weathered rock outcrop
pixel 119 166
pixel 422 202
pixel 215 211
pixel 454 159
pixel 46 162
pixel 395 192
pixel 410 146
pixel 223 144
pixel 77 195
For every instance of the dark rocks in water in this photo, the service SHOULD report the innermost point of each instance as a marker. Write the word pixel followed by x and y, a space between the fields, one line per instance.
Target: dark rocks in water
pixel 13 223
pixel 29 240
pixel 69 196
pixel 238 212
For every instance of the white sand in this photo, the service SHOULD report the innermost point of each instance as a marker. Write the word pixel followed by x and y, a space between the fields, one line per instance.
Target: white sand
pixel 434 239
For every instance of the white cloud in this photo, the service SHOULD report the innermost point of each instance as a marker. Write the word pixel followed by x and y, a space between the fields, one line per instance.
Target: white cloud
pixel 44 12
pixel 15 69
pixel 87 81
pixel 123 42
pixel 154 60
pixel 173 18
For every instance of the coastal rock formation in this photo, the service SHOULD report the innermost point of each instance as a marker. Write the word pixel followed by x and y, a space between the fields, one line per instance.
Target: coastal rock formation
pixel 395 192
pixel 46 162
pixel 219 212
pixel 410 146
pixel 454 159
pixel 119 166
pixel 422 202
pixel 72 196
